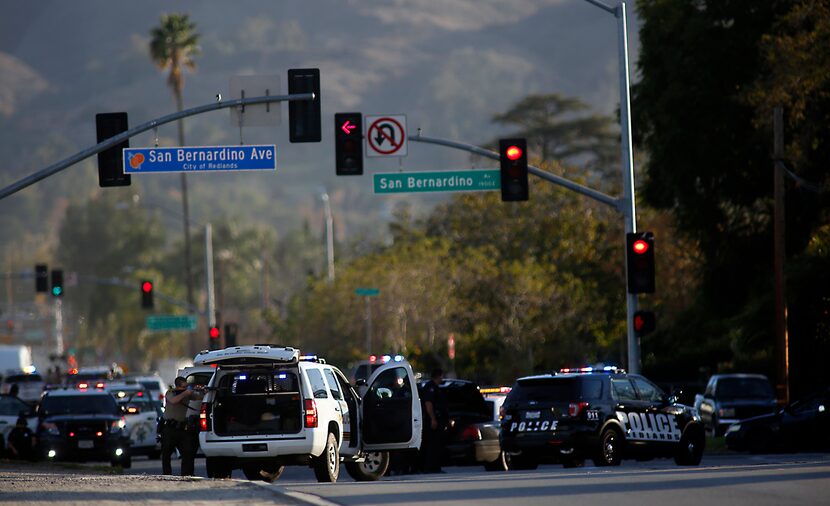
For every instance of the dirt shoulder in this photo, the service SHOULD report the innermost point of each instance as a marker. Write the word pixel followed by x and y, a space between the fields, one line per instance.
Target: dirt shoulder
pixel 57 485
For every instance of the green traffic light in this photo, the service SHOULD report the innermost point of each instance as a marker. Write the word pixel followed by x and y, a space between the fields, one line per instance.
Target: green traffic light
pixel 56 291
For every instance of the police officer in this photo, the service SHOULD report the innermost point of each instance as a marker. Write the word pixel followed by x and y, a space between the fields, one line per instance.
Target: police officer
pixel 177 433
pixel 21 443
pixel 435 422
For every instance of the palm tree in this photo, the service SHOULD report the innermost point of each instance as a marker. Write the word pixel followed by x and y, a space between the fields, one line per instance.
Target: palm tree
pixel 174 45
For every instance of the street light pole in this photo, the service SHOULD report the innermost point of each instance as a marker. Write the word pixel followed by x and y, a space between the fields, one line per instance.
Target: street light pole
pixel 628 206
pixel 329 236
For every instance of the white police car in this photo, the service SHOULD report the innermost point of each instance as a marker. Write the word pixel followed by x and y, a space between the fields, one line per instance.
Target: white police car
pixel 267 407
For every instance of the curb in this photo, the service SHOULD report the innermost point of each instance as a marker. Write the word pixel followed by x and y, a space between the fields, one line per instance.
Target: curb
pixel 299 497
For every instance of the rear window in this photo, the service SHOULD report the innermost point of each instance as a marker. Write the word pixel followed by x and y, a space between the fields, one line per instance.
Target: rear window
pixel 77 405
pixel 259 382
pixel 153 385
pixel 556 389
pixel 744 388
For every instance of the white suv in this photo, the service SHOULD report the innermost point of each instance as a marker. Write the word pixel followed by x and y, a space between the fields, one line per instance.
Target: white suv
pixel 267 407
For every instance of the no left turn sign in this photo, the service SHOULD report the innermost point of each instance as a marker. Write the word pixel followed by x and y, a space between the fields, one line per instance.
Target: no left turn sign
pixel 386 135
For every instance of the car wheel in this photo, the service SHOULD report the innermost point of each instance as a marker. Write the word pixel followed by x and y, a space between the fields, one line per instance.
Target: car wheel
pixel 690 448
pixel 523 462
pixel 500 464
pixel 758 441
pixel 218 467
pixel 609 452
pixel 327 465
pixel 268 472
pixel 373 467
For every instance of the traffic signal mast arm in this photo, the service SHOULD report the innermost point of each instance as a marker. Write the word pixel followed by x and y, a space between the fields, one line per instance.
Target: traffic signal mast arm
pixel 608 200
pixel 113 141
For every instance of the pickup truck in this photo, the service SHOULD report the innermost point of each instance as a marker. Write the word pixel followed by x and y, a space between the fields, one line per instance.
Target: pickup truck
pixel 729 398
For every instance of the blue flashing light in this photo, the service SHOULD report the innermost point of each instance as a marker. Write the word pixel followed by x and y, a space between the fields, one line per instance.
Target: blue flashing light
pixel 282 376
pixel 398 358
pixel 242 377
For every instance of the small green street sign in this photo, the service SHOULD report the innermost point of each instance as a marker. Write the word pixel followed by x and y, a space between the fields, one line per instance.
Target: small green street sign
pixel 367 292
pixel 437 181
pixel 162 323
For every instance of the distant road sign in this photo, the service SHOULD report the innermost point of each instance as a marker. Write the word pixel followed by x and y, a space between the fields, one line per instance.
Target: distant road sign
pixel 437 181
pixel 386 135
pixel 161 323
pixel 367 292
pixel 200 159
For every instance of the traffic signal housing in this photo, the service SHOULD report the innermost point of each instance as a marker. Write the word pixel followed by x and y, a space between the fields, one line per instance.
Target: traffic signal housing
pixel 644 323
pixel 513 158
pixel 57 283
pixel 639 255
pixel 41 278
pixel 147 294
pixel 348 143
pixel 304 115
pixel 111 161
pixel 214 336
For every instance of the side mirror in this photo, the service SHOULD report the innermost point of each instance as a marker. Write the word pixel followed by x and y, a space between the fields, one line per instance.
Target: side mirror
pixel 674 397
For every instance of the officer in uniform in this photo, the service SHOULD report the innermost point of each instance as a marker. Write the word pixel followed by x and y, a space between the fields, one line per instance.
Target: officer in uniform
pixel 435 423
pixel 177 433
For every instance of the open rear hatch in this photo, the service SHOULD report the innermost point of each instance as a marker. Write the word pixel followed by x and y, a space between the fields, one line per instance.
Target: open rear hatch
pixel 257 401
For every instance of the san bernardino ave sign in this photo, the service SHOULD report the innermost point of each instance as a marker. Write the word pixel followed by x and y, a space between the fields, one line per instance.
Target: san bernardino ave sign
pixel 437 181
pixel 200 159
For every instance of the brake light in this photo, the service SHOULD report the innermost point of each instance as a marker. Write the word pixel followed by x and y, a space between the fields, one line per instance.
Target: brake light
pixel 576 408
pixel 471 432
pixel 83 385
pixel 204 417
pixel 132 410
pixel 310 413
pixel 100 385
pixel 501 413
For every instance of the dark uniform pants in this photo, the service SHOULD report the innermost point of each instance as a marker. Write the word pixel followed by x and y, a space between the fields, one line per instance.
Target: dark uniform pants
pixel 432 448
pixel 177 436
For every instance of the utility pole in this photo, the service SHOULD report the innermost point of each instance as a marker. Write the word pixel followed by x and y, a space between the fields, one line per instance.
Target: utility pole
pixel 211 300
pixel 782 350
pixel 329 236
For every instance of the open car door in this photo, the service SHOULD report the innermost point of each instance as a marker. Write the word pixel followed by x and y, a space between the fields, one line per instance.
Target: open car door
pixel 391 409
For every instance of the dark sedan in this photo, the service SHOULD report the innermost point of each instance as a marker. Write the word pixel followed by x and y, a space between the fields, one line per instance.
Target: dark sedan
pixel 802 425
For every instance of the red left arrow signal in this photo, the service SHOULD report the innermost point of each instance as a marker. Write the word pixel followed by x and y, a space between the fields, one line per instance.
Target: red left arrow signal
pixel 347 127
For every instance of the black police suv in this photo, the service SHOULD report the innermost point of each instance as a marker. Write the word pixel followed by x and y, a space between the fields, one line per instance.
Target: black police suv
pixel 82 425
pixel 605 415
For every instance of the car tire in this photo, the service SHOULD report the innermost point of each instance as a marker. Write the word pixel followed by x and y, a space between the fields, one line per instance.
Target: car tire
pixel 690 448
pixel 327 465
pixel 523 462
pixel 609 452
pixel 267 472
pixel 218 467
pixel 500 464
pixel 372 468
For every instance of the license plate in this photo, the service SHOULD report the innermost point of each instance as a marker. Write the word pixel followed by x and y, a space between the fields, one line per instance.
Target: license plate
pixel 85 444
pixel 532 415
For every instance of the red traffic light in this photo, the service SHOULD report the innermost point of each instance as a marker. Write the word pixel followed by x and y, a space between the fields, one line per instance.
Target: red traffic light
pixel 639 246
pixel 214 333
pixel 514 153
pixel 147 287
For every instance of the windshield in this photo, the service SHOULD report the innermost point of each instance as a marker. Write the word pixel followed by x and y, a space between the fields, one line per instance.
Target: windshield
pixel 77 405
pixel 745 388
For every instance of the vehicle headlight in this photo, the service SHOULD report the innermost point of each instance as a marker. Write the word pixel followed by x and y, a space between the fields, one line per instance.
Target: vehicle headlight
pixel 735 427
pixel 727 412
pixel 51 429
pixel 118 425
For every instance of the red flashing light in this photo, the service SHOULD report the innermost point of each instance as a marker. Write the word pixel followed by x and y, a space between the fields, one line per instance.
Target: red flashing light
pixel 214 333
pixel 373 359
pixel 514 153
pixel 640 246
pixel 140 394
pixel 147 287
pixel 71 434
pixel 99 433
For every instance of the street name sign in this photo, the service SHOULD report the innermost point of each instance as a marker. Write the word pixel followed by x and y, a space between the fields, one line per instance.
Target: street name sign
pixel 437 181
pixel 367 292
pixel 161 323
pixel 200 159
